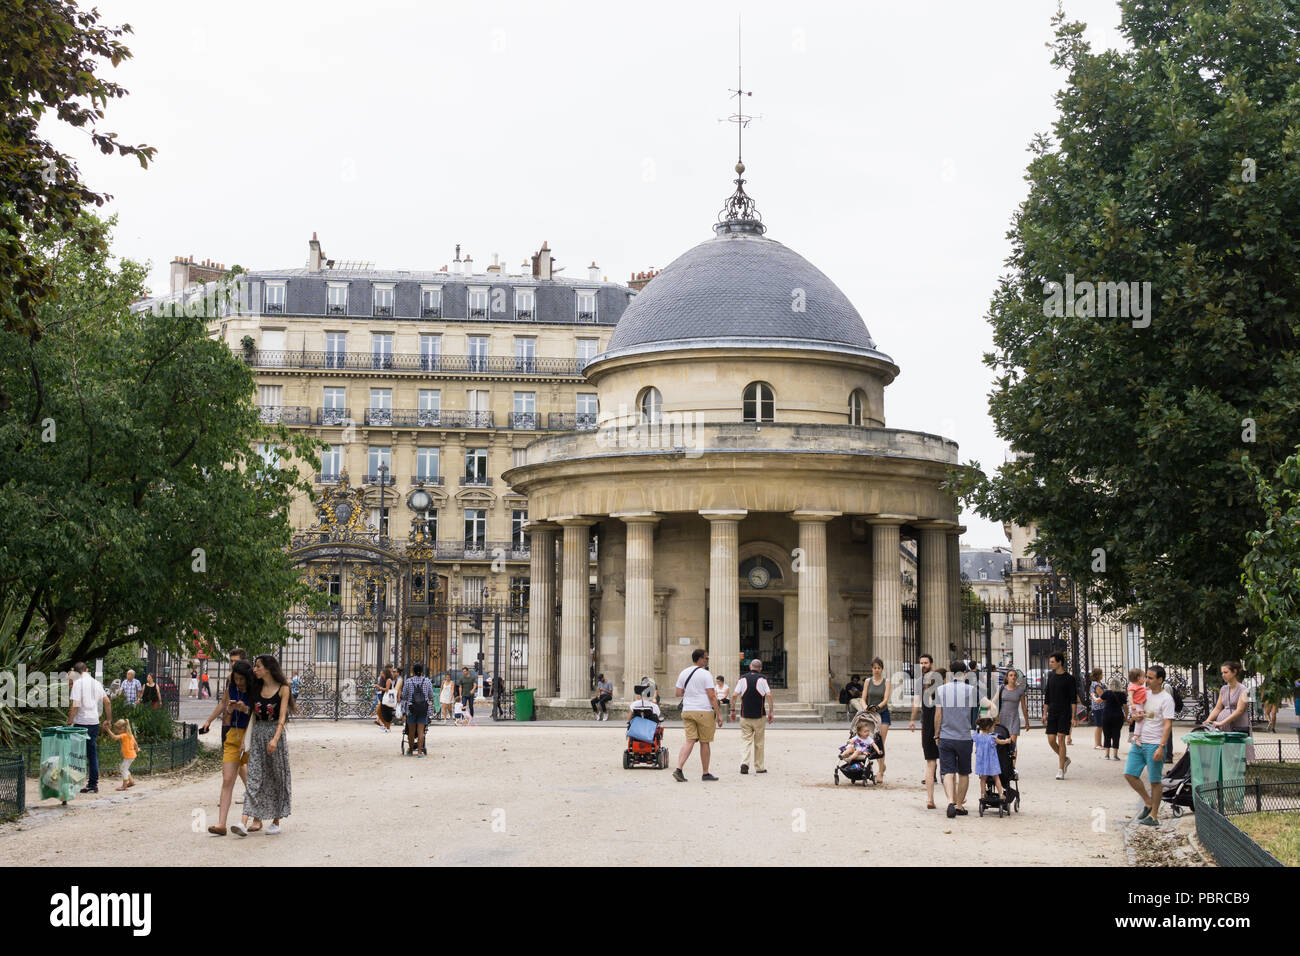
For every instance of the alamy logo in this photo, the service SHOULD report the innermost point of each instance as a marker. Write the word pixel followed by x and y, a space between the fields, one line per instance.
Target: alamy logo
pixel 102 909
pixel 1122 300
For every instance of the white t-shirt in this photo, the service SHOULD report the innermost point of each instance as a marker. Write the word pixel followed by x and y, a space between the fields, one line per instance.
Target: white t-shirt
pixel 1157 708
pixel 697 695
pixel 86 694
pixel 648 705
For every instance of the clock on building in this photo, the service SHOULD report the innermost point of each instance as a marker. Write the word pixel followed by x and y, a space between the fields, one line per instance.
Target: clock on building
pixel 759 577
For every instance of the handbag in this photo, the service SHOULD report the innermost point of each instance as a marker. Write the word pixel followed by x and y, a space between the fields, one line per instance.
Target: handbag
pixel 390 697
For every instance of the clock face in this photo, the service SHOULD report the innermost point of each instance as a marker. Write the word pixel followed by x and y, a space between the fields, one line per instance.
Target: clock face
pixel 759 577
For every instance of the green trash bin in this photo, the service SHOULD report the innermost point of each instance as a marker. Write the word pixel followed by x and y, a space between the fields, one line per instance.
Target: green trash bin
pixel 63 761
pixel 524 703
pixel 1235 751
pixel 1206 751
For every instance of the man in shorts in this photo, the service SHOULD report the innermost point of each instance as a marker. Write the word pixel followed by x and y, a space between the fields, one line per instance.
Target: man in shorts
pixel 952 709
pixel 701 715
pixel 1060 695
pixel 1149 751
pixel 923 701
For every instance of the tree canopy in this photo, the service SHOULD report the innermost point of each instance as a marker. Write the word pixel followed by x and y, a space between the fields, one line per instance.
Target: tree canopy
pixel 1172 170
pixel 134 505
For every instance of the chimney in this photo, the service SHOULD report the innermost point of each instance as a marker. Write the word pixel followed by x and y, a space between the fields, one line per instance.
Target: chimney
pixel 496 264
pixel 455 263
pixel 314 255
pixel 180 274
pixel 468 265
pixel 593 272
pixel 542 262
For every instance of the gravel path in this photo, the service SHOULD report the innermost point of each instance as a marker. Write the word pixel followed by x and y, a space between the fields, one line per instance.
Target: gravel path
pixel 539 794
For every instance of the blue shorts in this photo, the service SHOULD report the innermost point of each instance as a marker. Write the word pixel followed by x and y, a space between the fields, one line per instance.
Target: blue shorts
pixel 1139 756
pixel 954 756
pixel 884 716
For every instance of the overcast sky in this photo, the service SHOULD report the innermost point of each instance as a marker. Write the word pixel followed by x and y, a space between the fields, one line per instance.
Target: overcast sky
pixel 890 151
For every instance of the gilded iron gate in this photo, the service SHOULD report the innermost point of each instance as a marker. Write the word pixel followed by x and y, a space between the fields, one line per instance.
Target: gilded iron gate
pixel 340 651
pixel 491 639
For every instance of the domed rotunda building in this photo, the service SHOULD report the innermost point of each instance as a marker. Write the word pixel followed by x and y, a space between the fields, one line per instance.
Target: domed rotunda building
pixel 742 485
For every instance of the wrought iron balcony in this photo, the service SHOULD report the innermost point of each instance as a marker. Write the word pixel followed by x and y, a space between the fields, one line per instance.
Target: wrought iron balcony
pixel 333 416
pixel 1033 564
pixel 524 315
pixel 412 362
pixel 379 416
pixel 428 418
pixel 389 480
pixel 284 414
pixel 383 311
pixel 273 308
pixel 526 421
pixel 476 481
pixel 525 363
pixel 429 480
pixel 335 309
pixel 431 312
pixel 478 313
pixel 586 316
pixel 329 478
pixel 571 421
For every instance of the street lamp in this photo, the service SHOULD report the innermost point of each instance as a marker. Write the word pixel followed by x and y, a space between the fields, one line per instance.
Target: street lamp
pixel 420 502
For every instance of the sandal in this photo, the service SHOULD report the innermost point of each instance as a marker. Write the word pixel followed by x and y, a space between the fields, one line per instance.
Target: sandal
pixel 930 806
pixel 217 831
pixel 256 825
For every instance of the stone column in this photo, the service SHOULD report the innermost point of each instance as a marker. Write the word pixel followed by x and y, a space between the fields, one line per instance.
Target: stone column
pixel 639 597
pixel 575 612
pixel 954 591
pixel 933 585
pixel 886 592
pixel 541 607
pixel 814 614
pixel 724 592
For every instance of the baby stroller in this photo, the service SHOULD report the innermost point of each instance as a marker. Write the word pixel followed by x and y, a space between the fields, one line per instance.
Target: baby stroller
pixel 856 769
pixel 645 731
pixel 1177 784
pixel 989 799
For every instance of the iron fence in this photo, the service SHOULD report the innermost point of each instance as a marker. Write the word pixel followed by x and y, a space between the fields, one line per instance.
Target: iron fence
pixel 13 784
pixel 1228 845
pixel 156 756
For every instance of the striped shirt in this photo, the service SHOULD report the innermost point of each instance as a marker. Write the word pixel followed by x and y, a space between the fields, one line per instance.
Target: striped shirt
pixel 131 690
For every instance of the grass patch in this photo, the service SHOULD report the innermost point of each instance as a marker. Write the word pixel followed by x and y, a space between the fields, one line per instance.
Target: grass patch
pixel 1277 832
pixel 1271 772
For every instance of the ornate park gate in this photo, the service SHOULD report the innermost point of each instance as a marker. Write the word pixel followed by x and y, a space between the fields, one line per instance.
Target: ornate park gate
pixel 340 651
pixel 491 639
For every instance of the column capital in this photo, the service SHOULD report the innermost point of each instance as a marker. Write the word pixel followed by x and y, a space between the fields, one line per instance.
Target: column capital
pixel 637 517
pixel 960 530
pixel 802 516
pixel 722 514
pixel 934 524
pixel 889 519
pixel 574 521
pixel 533 527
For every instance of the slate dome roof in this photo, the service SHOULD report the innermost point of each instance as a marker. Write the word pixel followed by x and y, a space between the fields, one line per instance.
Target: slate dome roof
pixel 738 289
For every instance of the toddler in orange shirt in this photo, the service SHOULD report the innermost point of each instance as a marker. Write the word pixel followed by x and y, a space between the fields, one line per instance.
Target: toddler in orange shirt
pixel 123 734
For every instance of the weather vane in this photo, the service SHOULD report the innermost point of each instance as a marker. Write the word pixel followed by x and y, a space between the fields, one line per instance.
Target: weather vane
pixel 739 208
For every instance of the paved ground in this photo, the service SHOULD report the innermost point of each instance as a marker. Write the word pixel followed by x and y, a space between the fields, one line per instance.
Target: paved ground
pixel 538 793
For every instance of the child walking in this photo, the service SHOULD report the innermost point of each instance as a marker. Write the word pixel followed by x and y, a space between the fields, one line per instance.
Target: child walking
pixel 987 765
pixel 125 736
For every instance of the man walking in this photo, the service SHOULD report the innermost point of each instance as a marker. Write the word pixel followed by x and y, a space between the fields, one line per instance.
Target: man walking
pixel 923 701
pixel 755 697
pixel 86 696
pixel 604 694
pixel 130 689
pixel 953 702
pixel 700 714
pixel 1149 751
pixel 468 684
pixel 1060 694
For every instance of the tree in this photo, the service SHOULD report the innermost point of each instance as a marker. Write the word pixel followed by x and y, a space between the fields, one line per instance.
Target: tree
pixel 1271 577
pixel 1172 170
pixel 48 53
pixel 133 504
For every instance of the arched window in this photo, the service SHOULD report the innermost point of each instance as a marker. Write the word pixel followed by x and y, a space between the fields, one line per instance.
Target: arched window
pixel 651 403
pixel 857 408
pixel 759 561
pixel 760 404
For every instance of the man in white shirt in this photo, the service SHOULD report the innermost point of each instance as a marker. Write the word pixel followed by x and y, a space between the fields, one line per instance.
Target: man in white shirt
pixel 700 713
pixel 1149 751
pixel 86 696
pixel 755 697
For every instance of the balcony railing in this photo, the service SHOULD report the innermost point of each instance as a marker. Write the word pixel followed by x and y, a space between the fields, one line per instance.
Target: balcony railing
pixel 379 416
pixel 476 481
pixel 571 421
pixel 413 362
pixel 413 418
pixel 333 416
pixel 478 313
pixel 431 312
pixel 429 480
pixel 526 421
pixel 525 363
pixel 336 309
pixel 273 308
pixel 389 479
pixel 384 311
pixel 524 315
pixel 586 316
pixel 284 414
pixel 1033 564
pixel 329 478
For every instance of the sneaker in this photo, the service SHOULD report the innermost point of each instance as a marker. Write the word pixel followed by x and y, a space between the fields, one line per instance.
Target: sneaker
pixel 90 789
pixel 1149 822
pixel 962 812
pixel 744 768
pixel 760 771
pixel 952 810
pixel 1068 761
pixel 1146 812
pixel 273 828
pixel 1060 775
pixel 239 829
pixel 679 776
pixel 708 776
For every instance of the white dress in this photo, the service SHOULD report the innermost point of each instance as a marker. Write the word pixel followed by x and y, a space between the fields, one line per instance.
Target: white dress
pixel 445 697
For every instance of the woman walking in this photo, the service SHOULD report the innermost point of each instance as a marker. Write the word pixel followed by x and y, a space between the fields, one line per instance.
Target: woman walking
pixel 876 693
pixel 1114 703
pixel 384 712
pixel 194 683
pixel 417 693
pixel 1012 706
pixel 1095 689
pixel 269 786
pixel 232 744
pixel 447 695
pixel 149 695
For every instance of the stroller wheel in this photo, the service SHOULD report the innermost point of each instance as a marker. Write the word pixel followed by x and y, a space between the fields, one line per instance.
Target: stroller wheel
pixel 1178 811
pixel 837 777
pixel 981 808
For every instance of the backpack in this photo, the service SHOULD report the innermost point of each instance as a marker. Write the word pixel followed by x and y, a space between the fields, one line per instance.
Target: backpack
pixel 844 696
pixel 417 694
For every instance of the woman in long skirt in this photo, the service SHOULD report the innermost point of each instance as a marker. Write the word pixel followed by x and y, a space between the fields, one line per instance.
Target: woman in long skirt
pixel 270 789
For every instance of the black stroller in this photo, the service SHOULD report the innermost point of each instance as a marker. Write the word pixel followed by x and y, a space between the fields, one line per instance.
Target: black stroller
pixel 856 769
pixel 1177 784
pixel 989 799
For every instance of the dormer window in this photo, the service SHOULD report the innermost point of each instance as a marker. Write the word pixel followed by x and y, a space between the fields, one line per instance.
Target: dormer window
pixel 586 305
pixel 338 299
pixel 524 305
pixel 478 303
pixel 274 303
pixel 431 301
pixel 384 301
pixel 759 403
